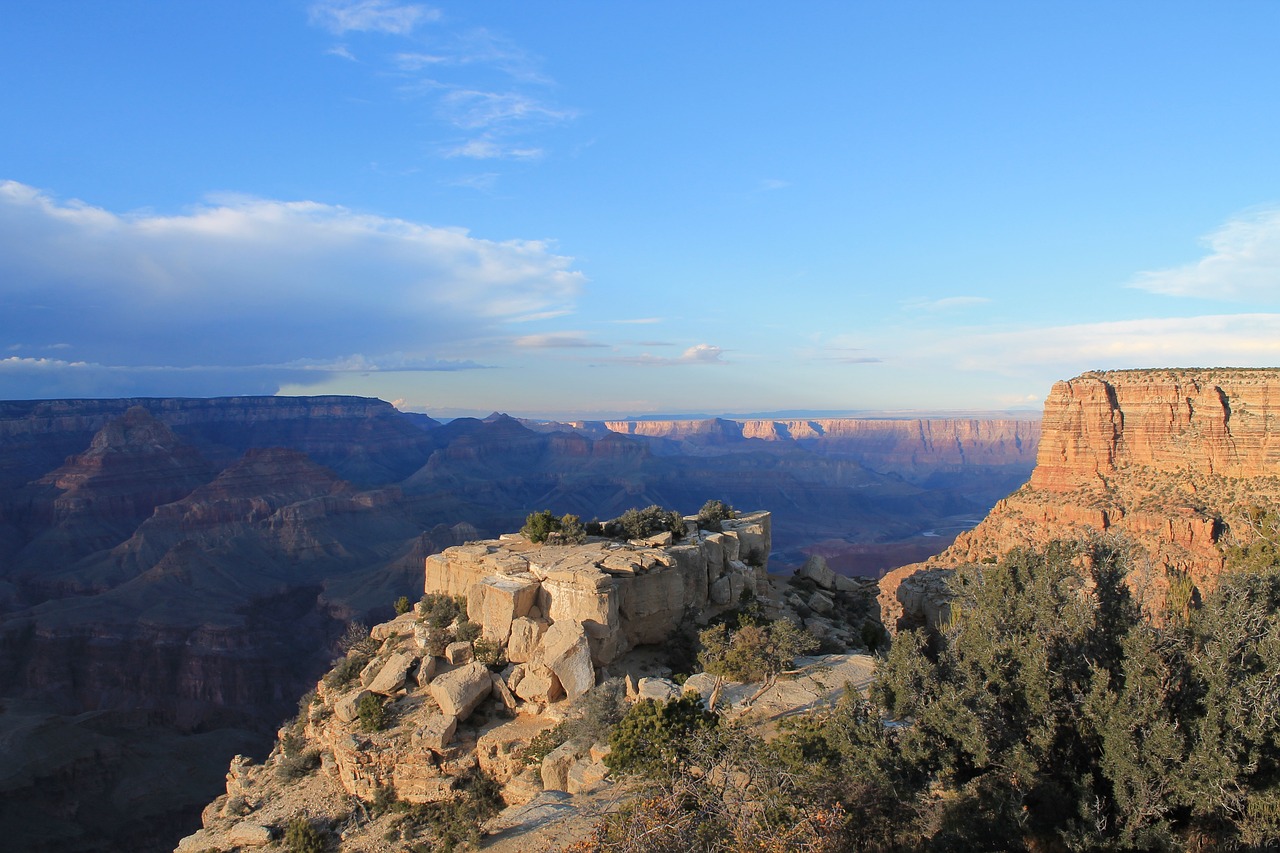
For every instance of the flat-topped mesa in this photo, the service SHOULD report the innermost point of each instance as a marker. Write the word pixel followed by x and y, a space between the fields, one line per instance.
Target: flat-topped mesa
pixel 1220 422
pixel 620 594
pixel 1172 459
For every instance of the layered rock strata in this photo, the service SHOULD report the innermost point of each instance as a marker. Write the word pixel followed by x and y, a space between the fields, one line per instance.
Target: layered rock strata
pixel 905 445
pixel 1173 460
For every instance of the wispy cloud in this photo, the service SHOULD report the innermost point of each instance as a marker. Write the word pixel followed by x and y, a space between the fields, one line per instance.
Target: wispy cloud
pixel 371 16
pixel 341 50
pixel 557 340
pixel 946 303
pixel 699 354
pixel 640 321
pixel 772 184
pixel 1243 263
pixel 483 87
pixel 489 148
pixel 248 283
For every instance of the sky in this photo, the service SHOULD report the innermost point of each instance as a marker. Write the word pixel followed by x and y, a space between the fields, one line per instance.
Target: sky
pixel 585 209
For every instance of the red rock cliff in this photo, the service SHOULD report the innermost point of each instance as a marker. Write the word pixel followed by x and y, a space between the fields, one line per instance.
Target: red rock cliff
pixel 1168 458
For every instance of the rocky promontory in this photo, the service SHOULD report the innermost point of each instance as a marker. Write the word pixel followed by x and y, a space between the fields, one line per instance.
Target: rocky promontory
pixel 511 642
pixel 1173 460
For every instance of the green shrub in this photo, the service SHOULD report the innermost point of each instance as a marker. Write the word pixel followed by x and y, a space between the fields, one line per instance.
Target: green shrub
pixel 452 824
pixel 652 736
pixel 301 837
pixel 347 670
pixel 402 605
pixel 296 766
pixel 572 531
pixel 753 652
pixel 539 525
pixel 642 523
pixel 440 611
pixel 466 631
pixel 372 715
pixel 714 512
pixel 491 653
pixel 544 743
pixel 543 526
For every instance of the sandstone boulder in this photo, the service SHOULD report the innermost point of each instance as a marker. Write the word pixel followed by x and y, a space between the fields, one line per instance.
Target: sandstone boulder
pixel 657 689
pixel 497 600
pixel 539 684
pixel 391 676
pixel 345 709
pixel 816 569
pixel 525 634
pixel 585 776
pixel 402 626
pixel 821 602
pixel 459 691
pixel 436 732
pixel 556 765
pixel 459 653
pixel 566 652
pixel 248 834
pixel 426 670
pixel 503 692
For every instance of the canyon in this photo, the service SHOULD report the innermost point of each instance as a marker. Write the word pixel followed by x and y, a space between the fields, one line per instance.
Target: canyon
pixel 174 573
pixel 1174 462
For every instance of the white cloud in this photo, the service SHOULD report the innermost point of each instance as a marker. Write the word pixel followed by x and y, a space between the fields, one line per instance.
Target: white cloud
pixel 698 354
pixel 1243 263
pixel 557 340
pixel 371 16
pixel 247 283
pixel 1225 340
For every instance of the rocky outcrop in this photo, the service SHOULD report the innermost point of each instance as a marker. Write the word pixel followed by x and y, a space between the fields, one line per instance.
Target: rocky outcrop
pixel 1172 460
pixel 615 595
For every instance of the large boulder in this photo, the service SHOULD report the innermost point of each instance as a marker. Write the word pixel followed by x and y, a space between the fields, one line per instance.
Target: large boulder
pixel 436 732
pixel 556 765
pixel 566 651
pixel 347 708
pixel 459 653
pixel 391 676
pixel 459 691
pixel 816 569
pixel 497 600
pixel 538 683
pixel 525 634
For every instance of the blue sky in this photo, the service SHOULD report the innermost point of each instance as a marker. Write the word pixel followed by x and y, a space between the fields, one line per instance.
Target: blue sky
pixel 597 209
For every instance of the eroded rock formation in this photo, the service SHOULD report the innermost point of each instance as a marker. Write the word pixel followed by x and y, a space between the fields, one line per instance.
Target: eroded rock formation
pixel 1171 459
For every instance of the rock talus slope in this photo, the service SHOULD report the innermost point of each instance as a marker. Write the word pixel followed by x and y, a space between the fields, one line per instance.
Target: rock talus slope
pixel 1173 460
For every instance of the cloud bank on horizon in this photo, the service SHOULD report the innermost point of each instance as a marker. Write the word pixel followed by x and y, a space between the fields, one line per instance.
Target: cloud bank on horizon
pixel 489 208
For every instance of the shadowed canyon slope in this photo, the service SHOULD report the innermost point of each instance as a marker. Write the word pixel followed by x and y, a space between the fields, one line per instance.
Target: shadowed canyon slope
pixel 1174 460
pixel 175 572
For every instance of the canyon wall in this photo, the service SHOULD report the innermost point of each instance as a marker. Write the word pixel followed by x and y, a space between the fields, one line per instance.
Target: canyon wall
pixel 1172 460
pixel 912 445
